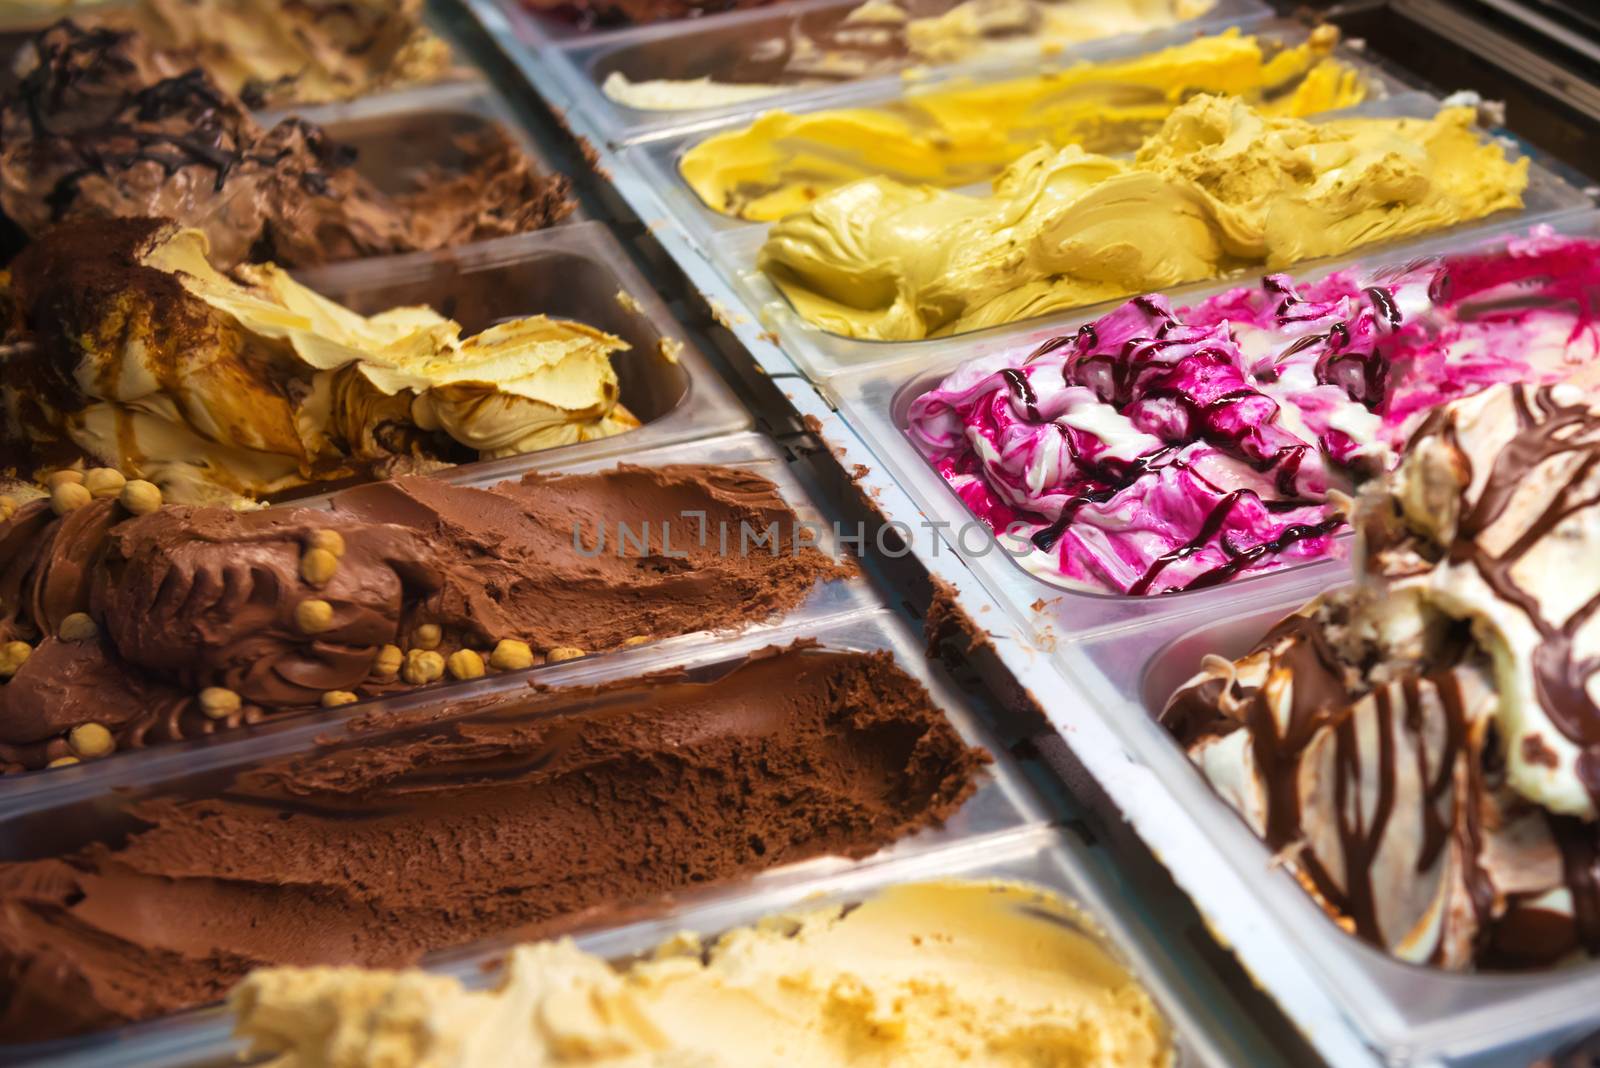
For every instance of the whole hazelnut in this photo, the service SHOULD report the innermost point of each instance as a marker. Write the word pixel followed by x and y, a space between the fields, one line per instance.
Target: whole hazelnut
pixel 313 616
pixel 317 566
pixel 69 497
pixel 427 636
pixel 564 652
pixel 335 698
pixel 103 482
pixel 219 702
pixel 77 627
pixel 465 664
pixel 140 497
pixel 90 740
pixel 422 666
pixel 511 655
pixel 327 540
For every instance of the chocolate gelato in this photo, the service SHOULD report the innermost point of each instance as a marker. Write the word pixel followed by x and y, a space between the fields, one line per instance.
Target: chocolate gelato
pixel 129 350
pixel 104 125
pixel 1422 747
pixel 502 819
pixel 590 14
pixel 126 623
pixel 271 52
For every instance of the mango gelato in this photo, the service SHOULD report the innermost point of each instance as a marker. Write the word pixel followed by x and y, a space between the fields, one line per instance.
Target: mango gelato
pixel 127 349
pixel 968 133
pixel 971 973
pixel 1221 187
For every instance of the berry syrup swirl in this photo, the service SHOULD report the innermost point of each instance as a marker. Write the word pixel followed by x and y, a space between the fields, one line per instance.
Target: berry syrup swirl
pixel 1156 451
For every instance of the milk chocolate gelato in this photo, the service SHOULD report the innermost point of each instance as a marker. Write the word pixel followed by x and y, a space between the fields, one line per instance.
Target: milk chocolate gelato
pixel 127 349
pixel 104 125
pixel 120 631
pixel 502 819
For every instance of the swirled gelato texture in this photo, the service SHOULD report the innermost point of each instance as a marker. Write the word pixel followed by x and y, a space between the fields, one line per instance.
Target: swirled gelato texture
pixel 882 36
pixel 186 598
pixel 272 53
pixel 130 349
pixel 1424 746
pixel 986 974
pixel 1219 188
pixel 954 136
pixel 103 125
pixel 1156 451
pixel 411 835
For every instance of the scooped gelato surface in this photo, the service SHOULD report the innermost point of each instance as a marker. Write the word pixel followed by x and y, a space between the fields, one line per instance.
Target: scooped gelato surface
pixel 590 14
pixel 883 36
pixel 1220 187
pixel 139 629
pixel 976 973
pixel 964 133
pixel 130 350
pixel 1155 451
pixel 506 818
pixel 273 53
pixel 104 125
pixel 1422 746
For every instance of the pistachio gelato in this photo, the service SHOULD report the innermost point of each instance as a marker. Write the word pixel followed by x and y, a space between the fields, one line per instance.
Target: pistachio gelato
pixel 958 134
pixel 128 349
pixel 975 973
pixel 1221 186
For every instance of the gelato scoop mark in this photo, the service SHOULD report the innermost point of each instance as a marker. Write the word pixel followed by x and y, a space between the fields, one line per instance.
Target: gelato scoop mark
pixel 104 125
pixel 1221 187
pixel 1156 451
pixel 130 349
pixel 882 36
pixel 184 602
pixel 948 137
pixel 923 973
pixel 272 53
pixel 506 818
pixel 1419 745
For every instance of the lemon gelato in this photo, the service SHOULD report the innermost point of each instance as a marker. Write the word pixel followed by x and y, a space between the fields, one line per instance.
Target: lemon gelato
pixel 142 357
pixel 945 973
pixel 965 133
pixel 1221 187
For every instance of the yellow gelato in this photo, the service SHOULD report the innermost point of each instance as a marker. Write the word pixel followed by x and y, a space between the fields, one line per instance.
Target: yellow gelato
pixel 931 975
pixel 305 52
pixel 882 36
pixel 954 136
pixel 215 386
pixel 1220 187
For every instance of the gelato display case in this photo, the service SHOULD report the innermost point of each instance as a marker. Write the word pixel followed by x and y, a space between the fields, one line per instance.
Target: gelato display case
pixel 905 532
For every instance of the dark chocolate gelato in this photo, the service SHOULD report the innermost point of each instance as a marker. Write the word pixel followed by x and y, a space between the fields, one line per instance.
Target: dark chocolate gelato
pixel 122 630
pixel 589 14
pixel 104 125
pixel 503 819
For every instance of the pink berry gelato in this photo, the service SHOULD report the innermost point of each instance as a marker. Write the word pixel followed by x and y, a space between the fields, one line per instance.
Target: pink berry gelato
pixel 1155 451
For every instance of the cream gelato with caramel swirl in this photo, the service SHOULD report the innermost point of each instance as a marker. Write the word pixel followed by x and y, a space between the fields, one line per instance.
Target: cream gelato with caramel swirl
pixel 142 357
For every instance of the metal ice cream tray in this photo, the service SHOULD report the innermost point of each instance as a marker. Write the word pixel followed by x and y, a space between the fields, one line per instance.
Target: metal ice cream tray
pixel 1120 657
pixel 88 804
pixel 733 244
pixel 709 47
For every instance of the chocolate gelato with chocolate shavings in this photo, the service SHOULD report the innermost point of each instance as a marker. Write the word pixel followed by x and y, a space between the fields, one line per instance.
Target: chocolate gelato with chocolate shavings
pixel 499 821
pixel 197 613
pixel 103 125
